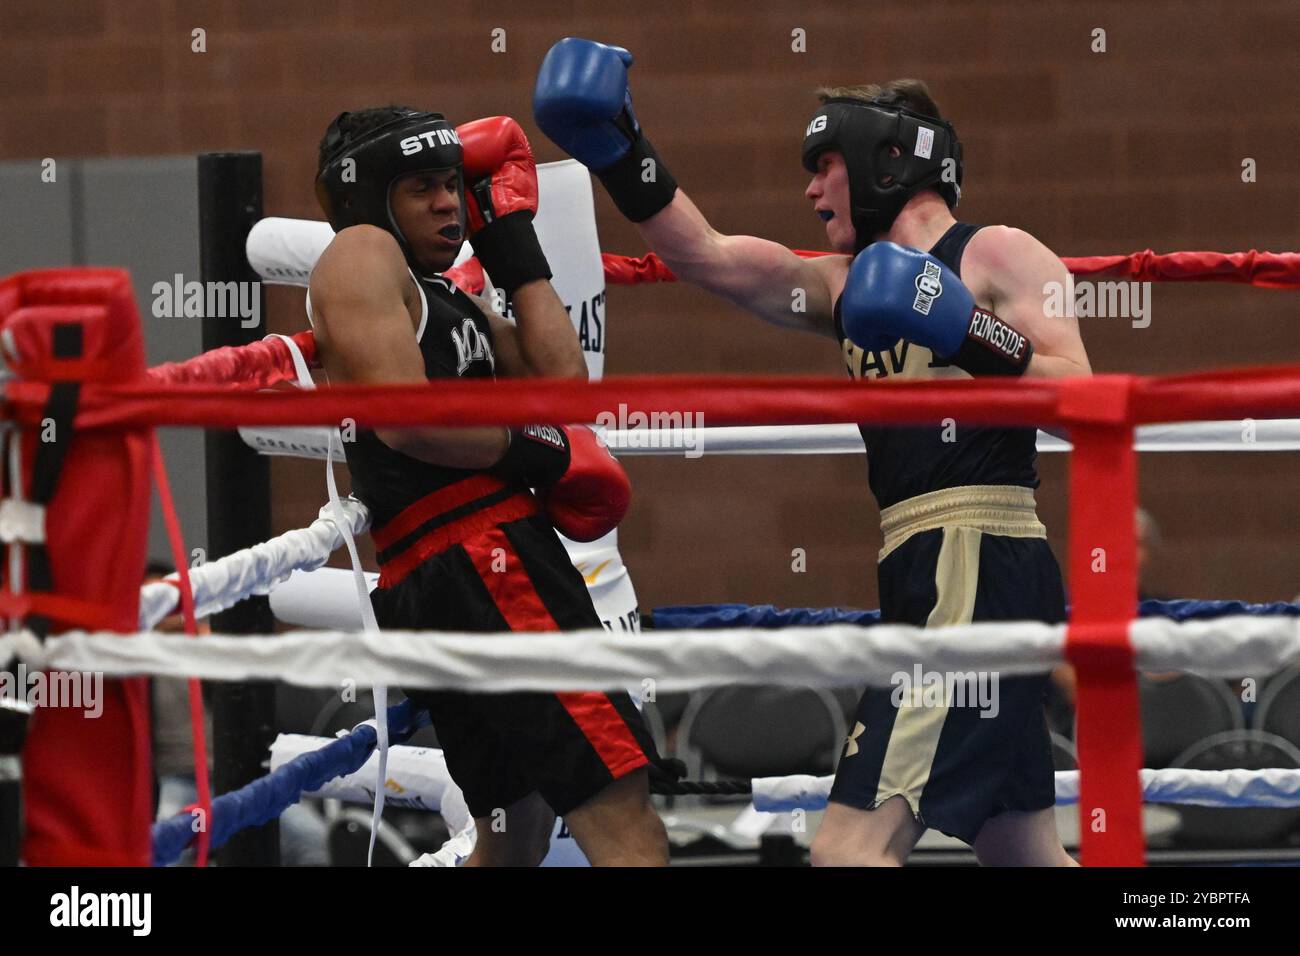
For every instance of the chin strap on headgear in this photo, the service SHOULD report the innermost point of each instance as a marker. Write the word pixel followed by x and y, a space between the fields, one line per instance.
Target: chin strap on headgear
pixel 354 183
pixel 880 184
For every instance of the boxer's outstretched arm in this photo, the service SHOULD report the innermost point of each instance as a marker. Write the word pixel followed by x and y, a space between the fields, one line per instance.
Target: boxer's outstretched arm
pixel 364 336
pixel 583 103
pixel 758 275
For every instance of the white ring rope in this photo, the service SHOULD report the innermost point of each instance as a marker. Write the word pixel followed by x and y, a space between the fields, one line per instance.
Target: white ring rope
pixel 419 778
pixel 1207 788
pixel 679 660
pixel 845 439
pixel 1257 435
pixel 226 581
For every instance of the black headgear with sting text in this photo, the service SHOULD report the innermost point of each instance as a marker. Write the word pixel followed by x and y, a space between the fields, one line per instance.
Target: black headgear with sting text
pixel 357 174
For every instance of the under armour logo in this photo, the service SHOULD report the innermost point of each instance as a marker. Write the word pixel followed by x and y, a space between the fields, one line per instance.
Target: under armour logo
pixel 851 745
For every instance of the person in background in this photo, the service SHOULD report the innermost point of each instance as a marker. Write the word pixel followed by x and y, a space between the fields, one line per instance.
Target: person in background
pixel 302 829
pixel 1061 691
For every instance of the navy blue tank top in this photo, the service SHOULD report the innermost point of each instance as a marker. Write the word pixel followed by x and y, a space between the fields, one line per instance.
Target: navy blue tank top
pixel 456 342
pixel 905 462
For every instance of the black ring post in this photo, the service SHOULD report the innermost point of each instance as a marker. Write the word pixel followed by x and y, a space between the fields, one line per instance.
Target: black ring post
pixel 15 715
pixel 238 497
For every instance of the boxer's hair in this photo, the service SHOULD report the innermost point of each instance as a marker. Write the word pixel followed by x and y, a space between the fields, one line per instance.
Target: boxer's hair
pixel 913 95
pixel 356 124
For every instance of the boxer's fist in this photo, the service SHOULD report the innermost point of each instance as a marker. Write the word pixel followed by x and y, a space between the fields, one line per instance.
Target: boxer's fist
pixel 592 496
pixel 893 292
pixel 501 200
pixel 583 490
pixel 582 102
pixel 500 173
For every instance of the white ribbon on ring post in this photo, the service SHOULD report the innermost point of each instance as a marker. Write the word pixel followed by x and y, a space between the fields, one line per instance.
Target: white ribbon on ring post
pixel 681 660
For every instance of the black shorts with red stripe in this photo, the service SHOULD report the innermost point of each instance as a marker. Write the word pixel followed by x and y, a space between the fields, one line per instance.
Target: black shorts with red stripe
pixel 499 748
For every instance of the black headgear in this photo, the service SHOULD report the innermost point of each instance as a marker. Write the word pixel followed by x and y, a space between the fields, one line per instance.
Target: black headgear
pixel 358 193
pixel 880 184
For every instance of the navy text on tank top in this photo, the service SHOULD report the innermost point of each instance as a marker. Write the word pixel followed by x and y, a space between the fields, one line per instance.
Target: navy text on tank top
pixel 456 342
pixel 905 462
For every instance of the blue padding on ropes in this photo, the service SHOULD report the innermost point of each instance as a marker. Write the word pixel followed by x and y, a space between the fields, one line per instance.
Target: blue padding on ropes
pixel 1190 610
pixel 756 615
pixel 766 615
pixel 267 797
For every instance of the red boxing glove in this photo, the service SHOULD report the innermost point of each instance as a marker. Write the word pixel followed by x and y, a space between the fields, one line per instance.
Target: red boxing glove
pixel 592 496
pixel 500 201
pixel 500 173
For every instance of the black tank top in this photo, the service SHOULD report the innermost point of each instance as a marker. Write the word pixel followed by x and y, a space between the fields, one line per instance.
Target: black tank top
pixel 905 462
pixel 456 342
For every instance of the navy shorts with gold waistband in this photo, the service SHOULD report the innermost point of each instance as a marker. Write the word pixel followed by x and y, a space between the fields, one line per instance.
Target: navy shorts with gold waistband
pixel 499 748
pixel 980 747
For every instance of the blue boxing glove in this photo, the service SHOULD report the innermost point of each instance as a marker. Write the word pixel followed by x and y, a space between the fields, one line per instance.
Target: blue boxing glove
pixel 893 292
pixel 582 102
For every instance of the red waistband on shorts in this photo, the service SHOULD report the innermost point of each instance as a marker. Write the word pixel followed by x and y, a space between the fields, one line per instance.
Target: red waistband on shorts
pixel 445 518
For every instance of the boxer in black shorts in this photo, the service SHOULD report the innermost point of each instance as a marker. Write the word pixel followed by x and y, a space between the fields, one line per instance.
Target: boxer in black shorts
pixel 962 541
pixel 463 544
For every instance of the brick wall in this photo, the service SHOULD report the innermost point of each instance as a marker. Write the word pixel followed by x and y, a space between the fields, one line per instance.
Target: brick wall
pixel 1138 147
